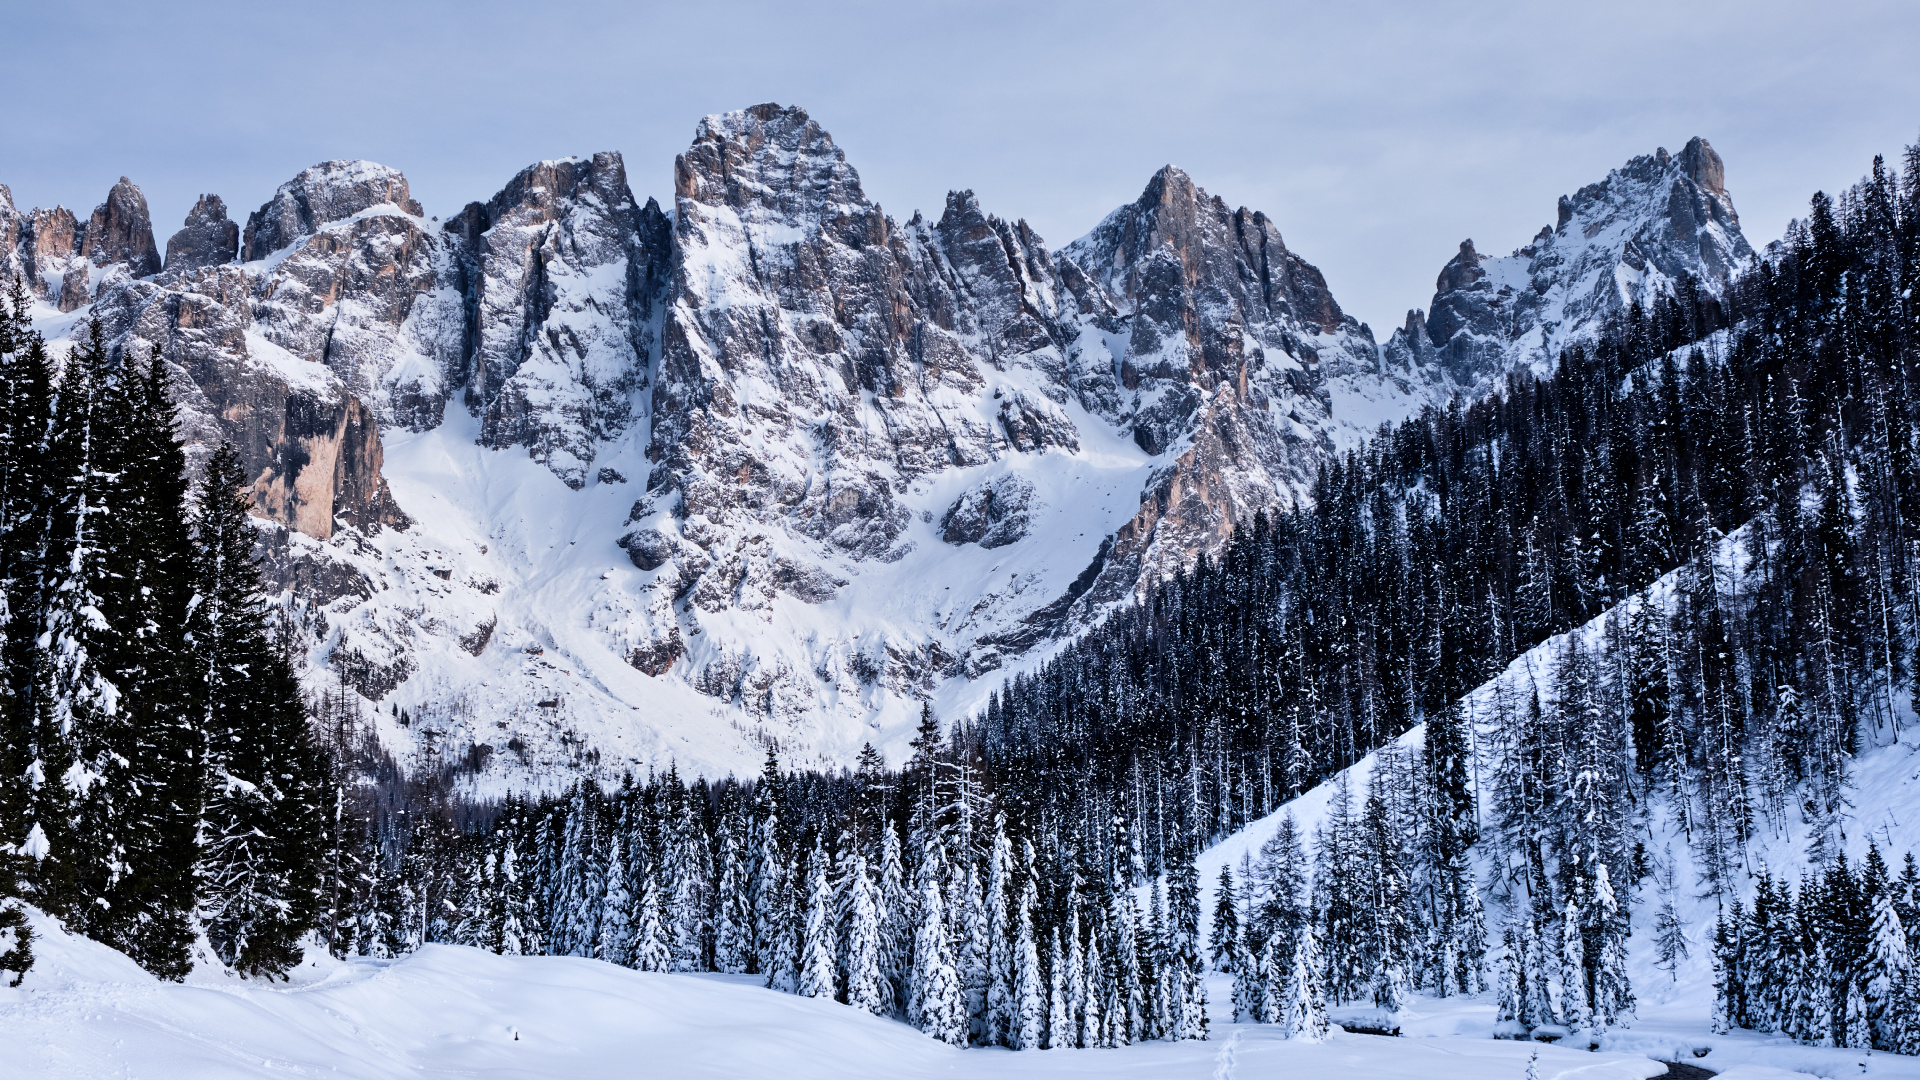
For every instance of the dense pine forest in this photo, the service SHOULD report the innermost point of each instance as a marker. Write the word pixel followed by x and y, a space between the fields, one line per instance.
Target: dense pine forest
pixel 159 776
pixel 1720 493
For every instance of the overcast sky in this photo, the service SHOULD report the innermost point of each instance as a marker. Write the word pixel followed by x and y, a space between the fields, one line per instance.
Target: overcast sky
pixel 1378 135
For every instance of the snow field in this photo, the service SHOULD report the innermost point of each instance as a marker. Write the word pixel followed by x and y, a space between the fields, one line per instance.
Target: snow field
pixel 446 1011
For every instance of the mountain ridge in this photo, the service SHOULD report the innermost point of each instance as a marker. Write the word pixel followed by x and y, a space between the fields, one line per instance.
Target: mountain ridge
pixel 784 418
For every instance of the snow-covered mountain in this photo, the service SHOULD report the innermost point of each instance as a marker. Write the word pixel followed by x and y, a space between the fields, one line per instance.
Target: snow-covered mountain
pixel 1652 224
pixel 570 479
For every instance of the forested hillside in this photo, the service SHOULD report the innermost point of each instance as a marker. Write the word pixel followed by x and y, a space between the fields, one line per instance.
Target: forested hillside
pixel 1027 877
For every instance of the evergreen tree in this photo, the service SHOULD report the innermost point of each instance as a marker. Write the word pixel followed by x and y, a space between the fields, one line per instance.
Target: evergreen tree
pixel 263 824
pixel 937 1003
pixel 816 974
pixel 1226 922
pixel 865 981
pixel 1306 1000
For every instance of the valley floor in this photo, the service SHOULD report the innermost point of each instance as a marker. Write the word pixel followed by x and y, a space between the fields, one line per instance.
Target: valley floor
pixel 86 1011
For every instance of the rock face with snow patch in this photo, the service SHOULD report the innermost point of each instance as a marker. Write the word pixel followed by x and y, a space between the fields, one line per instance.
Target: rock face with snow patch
pixel 570 476
pixel 563 272
pixel 1654 223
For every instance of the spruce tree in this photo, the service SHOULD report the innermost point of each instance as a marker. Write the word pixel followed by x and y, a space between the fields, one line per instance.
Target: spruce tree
pixel 816 968
pixel 936 1004
pixel 263 826
pixel 1306 999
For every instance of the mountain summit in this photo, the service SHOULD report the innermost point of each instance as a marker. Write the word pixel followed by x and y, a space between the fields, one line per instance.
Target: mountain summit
pixel 1656 225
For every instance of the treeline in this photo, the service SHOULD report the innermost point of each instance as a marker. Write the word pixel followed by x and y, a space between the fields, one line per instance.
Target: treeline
pixel 1457 540
pixel 158 777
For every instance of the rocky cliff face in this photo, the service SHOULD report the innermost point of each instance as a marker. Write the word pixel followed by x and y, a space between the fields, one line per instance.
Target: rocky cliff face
pixel 563 274
pixel 577 481
pixel 1657 221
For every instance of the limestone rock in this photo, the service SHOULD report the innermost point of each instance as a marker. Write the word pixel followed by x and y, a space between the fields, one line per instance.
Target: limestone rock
pixel 992 515
pixel 120 231
pixel 564 273
pixel 208 238
pixel 328 192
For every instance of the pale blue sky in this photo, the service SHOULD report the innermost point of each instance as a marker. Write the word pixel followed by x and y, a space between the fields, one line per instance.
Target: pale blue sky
pixel 1377 135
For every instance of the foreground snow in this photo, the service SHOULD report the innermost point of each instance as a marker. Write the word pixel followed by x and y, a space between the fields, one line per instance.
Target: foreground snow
pixel 87 1011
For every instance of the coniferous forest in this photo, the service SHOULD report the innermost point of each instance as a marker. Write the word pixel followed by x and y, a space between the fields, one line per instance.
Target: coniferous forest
pixel 159 777
pixel 1722 491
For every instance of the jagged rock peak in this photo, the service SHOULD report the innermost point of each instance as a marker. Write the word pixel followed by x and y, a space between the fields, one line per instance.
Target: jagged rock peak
pixel 1703 166
pixel 562 245
pixel 208 238
pixel 328 192
pixel 774 161
pixel 120 231
pixel 1628 238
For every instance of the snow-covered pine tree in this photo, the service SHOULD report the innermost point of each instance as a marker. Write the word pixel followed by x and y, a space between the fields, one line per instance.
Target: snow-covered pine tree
pixel 1095 1024
pixel 766 888
pixel 1306 998
pixel 998 928
pixel 615 940
pixel 816 974
pixel 732 918
pixel 690 893
pixel 1226 922
pixel 937 1000
pixel 1250 980
pixel 1187 985
pixel 1574 1012
pixel 652 949
pixel 866 989
pixel 1508 1000
pixel 1026 1027
pixel 1887 975
pixel 1857 1027
pixel 89 738
pixel 1669 933
pixel 1075 1033
pixel 264 826
pixel 897 901
pixel 1060 1023
pixel 1275 970
pixel 970 946
pixel 1127 1017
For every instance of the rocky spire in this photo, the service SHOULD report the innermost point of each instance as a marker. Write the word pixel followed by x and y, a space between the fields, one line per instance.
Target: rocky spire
pixel 208 238
pixel 1653 222
pixel 121 232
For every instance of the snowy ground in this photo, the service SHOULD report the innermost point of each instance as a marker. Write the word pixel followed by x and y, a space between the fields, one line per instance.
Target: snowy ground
pixel 86 1011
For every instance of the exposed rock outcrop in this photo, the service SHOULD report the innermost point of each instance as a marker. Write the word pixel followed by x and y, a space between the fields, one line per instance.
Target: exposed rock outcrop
pixel 120 231
pixel 328 192
pixel 1653 223
pixel 563 273
pixel 207 239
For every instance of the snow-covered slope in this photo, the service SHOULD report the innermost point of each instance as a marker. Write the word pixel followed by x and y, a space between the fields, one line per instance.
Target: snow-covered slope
pixel 86 1011
pixel 1674 1012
